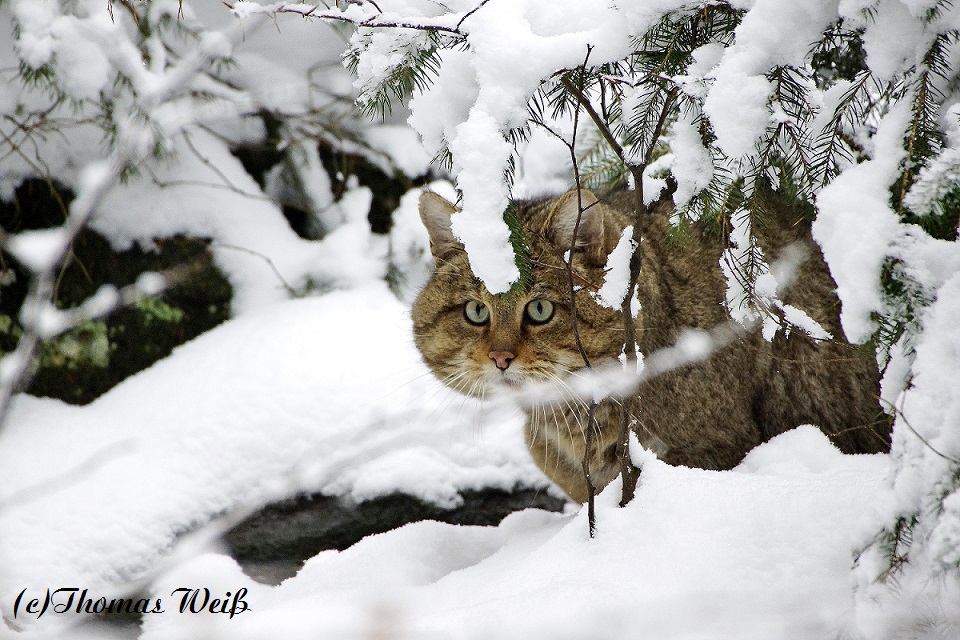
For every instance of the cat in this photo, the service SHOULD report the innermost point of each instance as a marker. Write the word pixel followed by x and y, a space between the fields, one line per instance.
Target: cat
pixel 708 414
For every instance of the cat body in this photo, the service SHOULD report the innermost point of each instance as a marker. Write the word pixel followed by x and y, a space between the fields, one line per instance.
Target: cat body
pixel 707 415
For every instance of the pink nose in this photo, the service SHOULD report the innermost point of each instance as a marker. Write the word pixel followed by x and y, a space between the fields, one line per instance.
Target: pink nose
pixel 502 358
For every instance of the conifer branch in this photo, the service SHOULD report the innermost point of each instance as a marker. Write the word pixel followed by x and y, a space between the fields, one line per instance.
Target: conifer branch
pixel 602 126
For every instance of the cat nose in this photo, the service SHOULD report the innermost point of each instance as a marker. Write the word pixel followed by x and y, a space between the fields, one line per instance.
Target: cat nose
pixel 502 358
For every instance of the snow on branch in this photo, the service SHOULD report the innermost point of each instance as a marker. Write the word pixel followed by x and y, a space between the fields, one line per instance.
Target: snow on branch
pixel 354 14
pixel 44 251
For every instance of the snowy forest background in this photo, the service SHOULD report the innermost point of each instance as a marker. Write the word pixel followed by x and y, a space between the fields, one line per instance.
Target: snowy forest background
pixel 266 158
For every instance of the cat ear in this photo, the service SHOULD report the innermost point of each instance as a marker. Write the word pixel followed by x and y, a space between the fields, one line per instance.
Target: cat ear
pixel 435 211
pixel 591 233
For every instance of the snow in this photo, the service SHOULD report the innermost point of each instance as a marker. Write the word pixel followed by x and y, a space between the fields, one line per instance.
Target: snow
pixel 737 105
pixel 543 167
pixel 306 391
pixel 773 32
pixel 499 36
pixel 692 164
pixel 82 63
pixel 436 112
pixel 616 279
pixel 35 44
pixel 931 406
pixel 403 147
pixel 479 152
pixel 383 52
pixel 738 555
pixel 742 251
pixel 208 194
pixel 39 250
pixel 892 39
pixel 855 226
pixel 411 262
pixel 215 45
pixel 275 402
pixel 925 454
pixel 933 184
pixel 799 318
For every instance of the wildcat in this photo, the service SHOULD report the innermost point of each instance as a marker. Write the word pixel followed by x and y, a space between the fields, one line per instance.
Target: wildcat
pixel 706 415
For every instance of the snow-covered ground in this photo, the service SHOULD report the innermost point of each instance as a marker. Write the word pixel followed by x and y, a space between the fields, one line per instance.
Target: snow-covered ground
pixel 328 394
pixel 321 394
pixel 760 552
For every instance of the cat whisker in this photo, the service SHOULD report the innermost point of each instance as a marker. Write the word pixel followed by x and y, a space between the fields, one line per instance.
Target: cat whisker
pixel 546 444
pixel 410 381
pixel 455 381
pixel 556 422
pixel 570 413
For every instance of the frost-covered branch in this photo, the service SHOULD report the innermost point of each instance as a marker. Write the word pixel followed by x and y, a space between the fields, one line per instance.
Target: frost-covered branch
pixel 44 251
pixel 353 14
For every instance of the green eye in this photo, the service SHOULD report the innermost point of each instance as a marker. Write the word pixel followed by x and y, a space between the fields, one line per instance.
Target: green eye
pixel 539 311
pixel 476 312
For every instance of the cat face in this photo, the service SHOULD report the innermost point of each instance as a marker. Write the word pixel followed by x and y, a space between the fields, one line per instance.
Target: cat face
pixel 477 342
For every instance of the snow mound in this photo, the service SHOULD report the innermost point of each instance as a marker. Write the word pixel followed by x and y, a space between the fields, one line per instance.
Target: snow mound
pixel 698 554
pixel 319 394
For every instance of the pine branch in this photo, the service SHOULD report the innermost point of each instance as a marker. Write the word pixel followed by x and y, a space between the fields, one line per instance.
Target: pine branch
pixel 414 72
pixel 600 166
pixel 925 137
pixel 604 130
pixel 830 145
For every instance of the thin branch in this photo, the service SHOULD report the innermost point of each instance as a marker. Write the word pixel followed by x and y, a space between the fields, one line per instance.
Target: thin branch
pixel 587 477
pixel 926 442
pixel 470 13
pixel 630 473
pixel 572 250
pixel 588 444
pixel 370 21
pixel 600 124
pixel 668 102
pixel 205 161
pixel 270 263
pixel 101 178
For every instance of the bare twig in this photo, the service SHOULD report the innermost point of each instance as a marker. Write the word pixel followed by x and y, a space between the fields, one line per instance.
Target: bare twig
pixel 926 442
pixel 630 473
pixel 571 145
pixel 205 161
pixel 588 444
pixel 471 12
pixel 270 263
pixel 371 21
pixel 587 477
pixel 101 178
pixel 605 131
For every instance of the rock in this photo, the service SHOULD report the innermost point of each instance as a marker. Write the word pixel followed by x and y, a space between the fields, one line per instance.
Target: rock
pixel 273 544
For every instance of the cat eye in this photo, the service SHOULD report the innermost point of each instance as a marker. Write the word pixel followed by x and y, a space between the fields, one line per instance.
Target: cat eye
pixel 539 311
pixel 476 312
